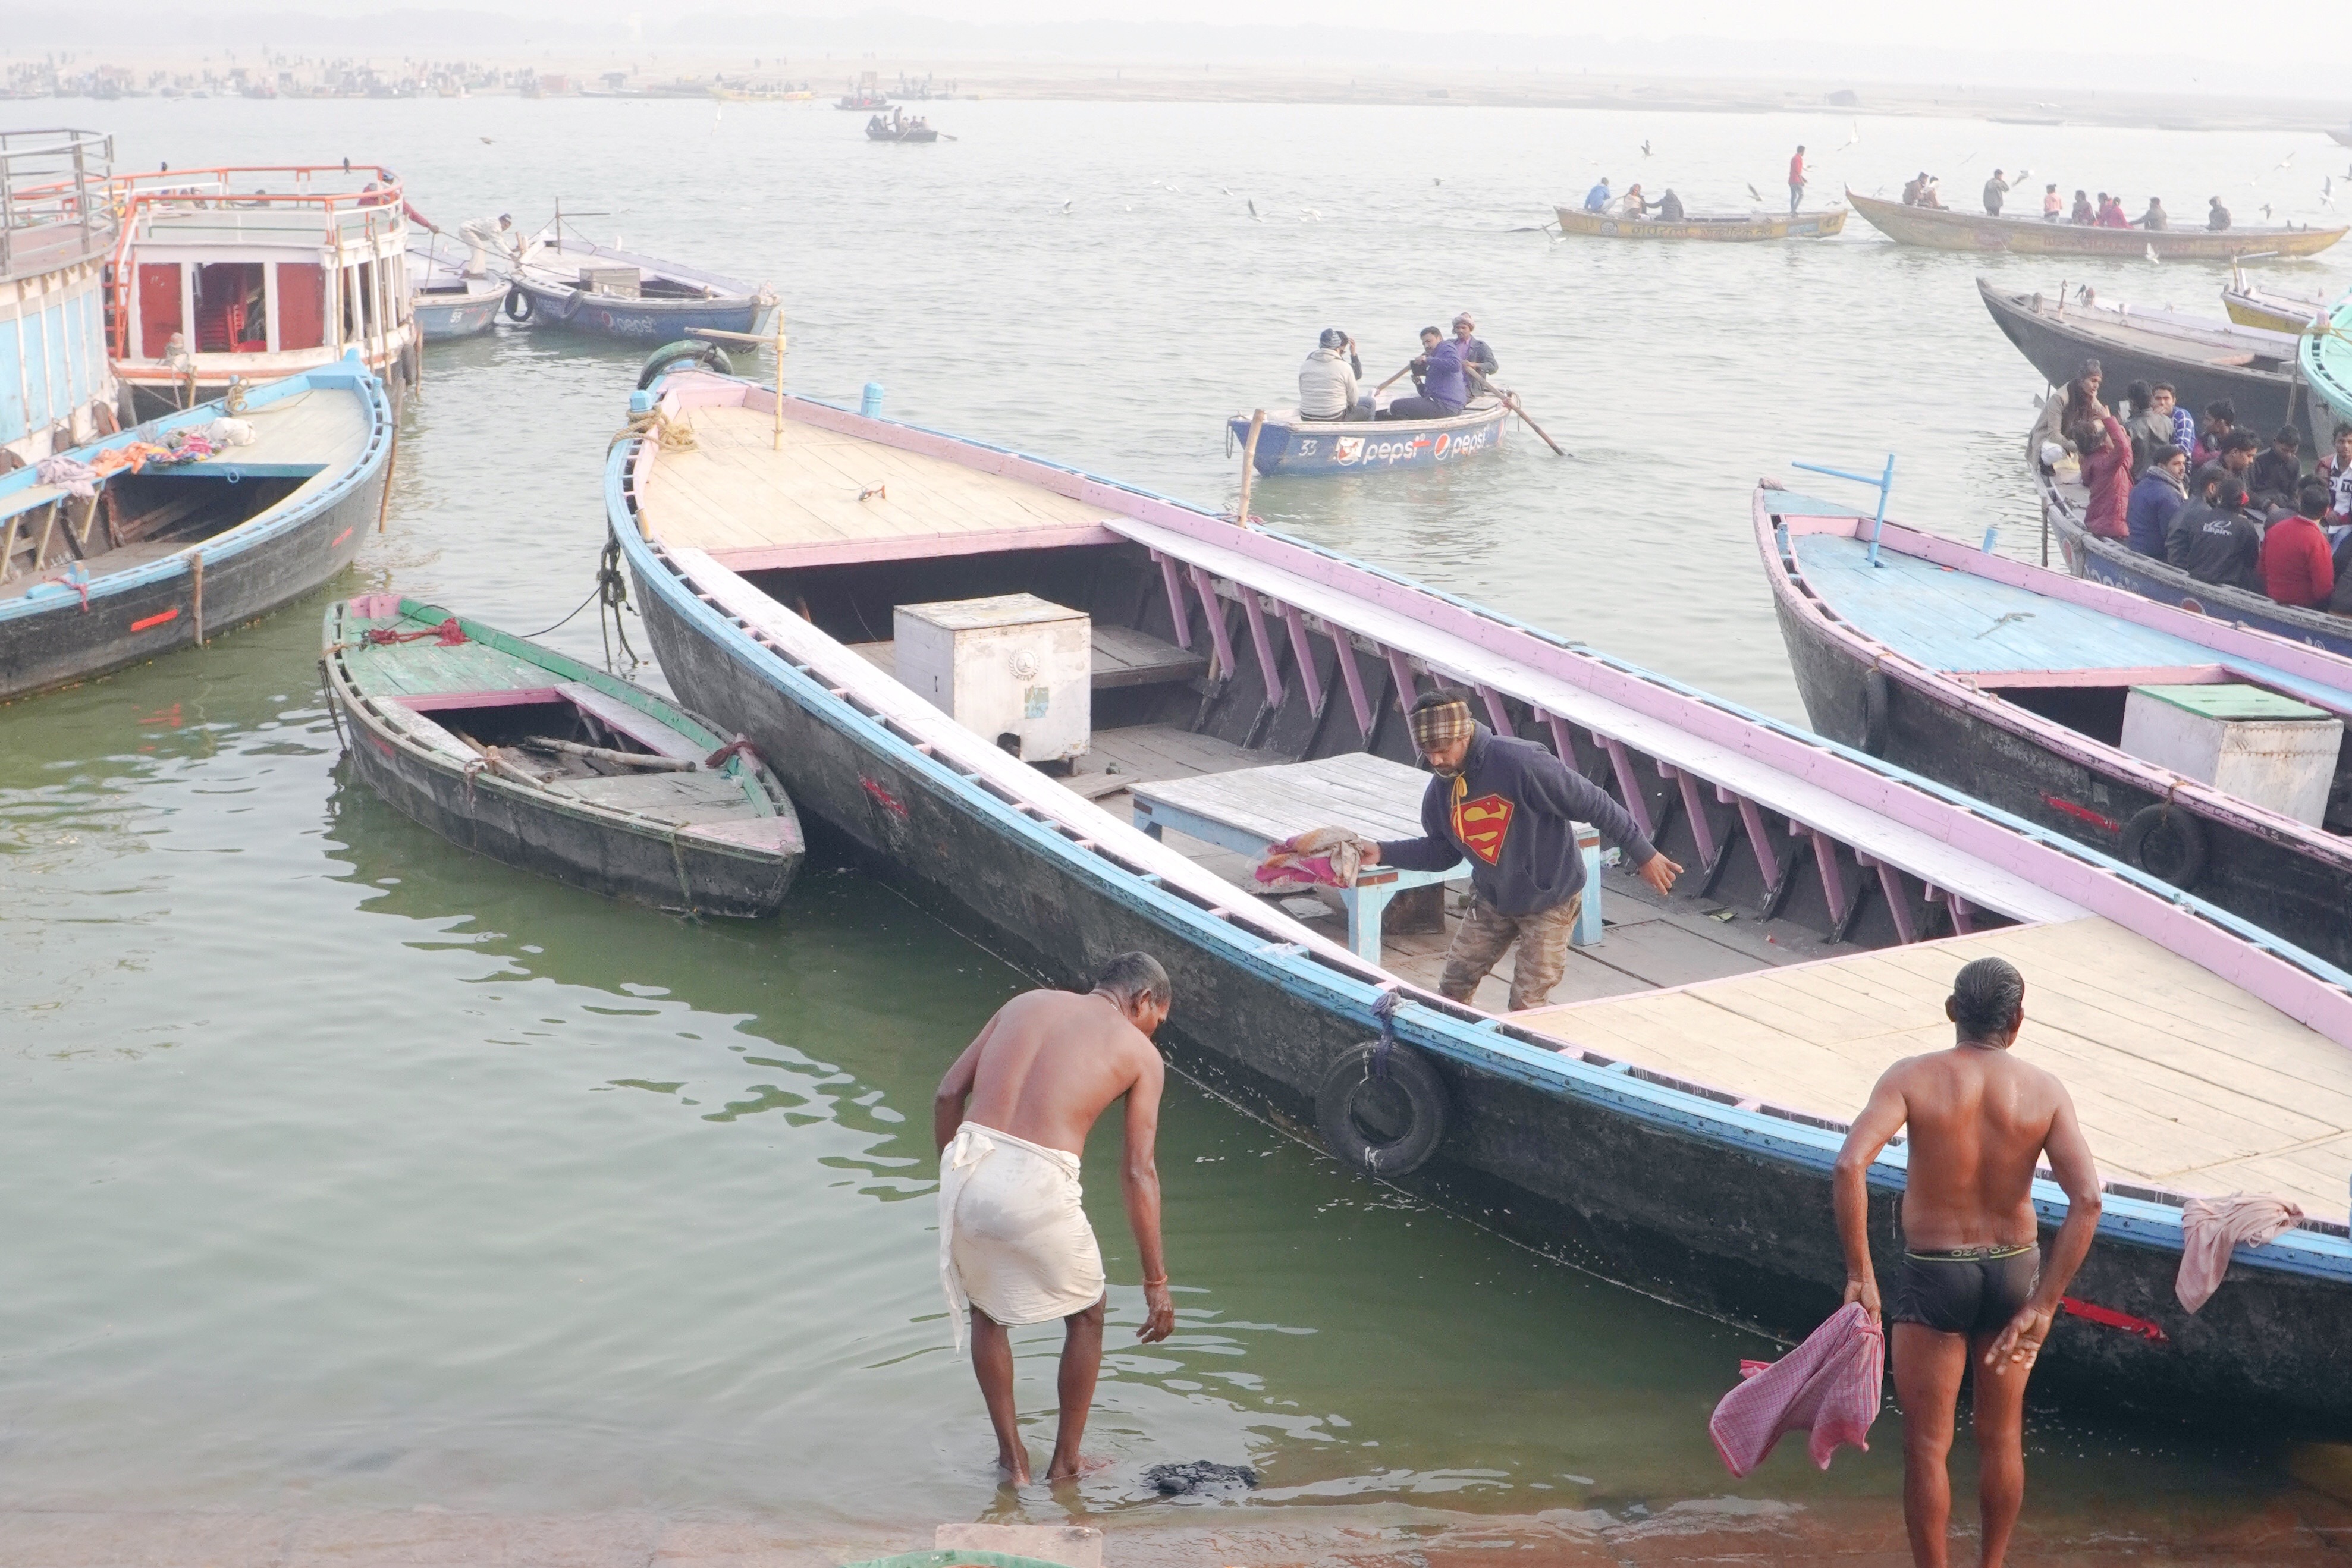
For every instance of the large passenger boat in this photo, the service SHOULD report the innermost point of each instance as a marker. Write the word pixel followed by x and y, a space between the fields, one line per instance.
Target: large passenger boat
pixel 247 275
pixel 57 226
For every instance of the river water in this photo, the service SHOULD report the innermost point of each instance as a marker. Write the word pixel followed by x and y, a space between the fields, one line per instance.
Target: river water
pixel 341 1173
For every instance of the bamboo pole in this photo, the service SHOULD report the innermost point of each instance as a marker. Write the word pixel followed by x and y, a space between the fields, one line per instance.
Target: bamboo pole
pixel 196 593
pixel 1249 467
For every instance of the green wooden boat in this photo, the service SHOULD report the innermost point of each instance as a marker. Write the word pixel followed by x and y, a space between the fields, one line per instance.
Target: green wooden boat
pixel 518 753
pixel 2325 358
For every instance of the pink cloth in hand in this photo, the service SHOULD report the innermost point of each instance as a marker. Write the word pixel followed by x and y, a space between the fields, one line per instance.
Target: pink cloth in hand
pixel 2211 1227
pixel 1833 1384
pixel 1330 857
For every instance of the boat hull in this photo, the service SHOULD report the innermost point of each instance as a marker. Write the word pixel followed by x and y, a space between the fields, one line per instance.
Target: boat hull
pixel 1943 229
pixel 634 320
pixel 2265 400
pixel 2325 361
pixel 1314 448
pixel 144 613
pixel 2270 313
pixel 439 320
pixel 1763 226
pixel 1608 1175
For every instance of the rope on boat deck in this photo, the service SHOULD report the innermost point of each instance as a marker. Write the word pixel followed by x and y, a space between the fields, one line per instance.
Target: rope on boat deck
pixel 671 435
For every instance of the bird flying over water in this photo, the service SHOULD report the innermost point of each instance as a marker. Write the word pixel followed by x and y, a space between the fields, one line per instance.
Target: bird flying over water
pixel 2266 211
pixel 1645 147
pixel 1755 192
pixel 486 142
pixel 2151 252
pixel 1067 205
pixel 1855 135
pixel 2283 162
pixel 1252 207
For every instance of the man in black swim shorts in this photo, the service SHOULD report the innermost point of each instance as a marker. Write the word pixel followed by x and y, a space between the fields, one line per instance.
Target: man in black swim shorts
pixel 1974 1284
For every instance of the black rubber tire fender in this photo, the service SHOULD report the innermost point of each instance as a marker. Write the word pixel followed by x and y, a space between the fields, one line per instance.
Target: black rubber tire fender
pixel 710 356
pixel 519 307
pixel 1875 699
pixel 2166 842
pixel 1410 1077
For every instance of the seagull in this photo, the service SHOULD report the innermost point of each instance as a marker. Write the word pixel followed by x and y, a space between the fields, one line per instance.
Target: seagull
pixel 1223 192
pixel 1755 192
pixel 2283 162
pixel 1436 181
pixel 1855 135
pixel 1645 147
pixel 2151 252
pixel 486 142
pixel 1252 207
pixel 1067 205
pixel 1312 216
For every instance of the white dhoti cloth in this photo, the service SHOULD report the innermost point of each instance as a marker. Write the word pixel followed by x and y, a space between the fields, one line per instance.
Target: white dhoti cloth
pixel 1013 1237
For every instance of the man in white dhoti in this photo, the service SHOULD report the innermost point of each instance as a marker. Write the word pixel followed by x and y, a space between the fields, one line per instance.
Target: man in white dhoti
pixel 484 235
pixel 1011 1118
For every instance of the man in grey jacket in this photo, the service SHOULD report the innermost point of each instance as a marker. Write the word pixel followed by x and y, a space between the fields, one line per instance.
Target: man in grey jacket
pixel 1328 381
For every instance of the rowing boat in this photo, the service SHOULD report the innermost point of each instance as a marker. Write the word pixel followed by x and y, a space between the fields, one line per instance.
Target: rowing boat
pixel 2324 358
pixel 443 301
pixel 1289 443
pixel 1940 228
pixel 1752 226
pixel 563 280
pixel 516 752
pixel 186 546
pixel 1673 1122
pixel 2031 690
pixel 2204 360
pixel 2272 309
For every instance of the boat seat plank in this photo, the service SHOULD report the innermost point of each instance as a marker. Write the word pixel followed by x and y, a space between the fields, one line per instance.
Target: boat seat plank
pixel 1849 821
pixel 679 798
pixel 1370 795
pixel 635 723
pixel 2195 1095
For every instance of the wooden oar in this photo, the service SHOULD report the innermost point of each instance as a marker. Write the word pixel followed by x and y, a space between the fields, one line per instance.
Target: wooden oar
pixel 1249 465
pixel 1511 401
pixel 1393 381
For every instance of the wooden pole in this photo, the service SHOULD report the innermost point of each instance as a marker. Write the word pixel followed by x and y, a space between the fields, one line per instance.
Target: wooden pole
pixel 776 440
pixel 392 458
pixel 1392 381
pixel 1249 465
pixel 196 593
pixel 1512 400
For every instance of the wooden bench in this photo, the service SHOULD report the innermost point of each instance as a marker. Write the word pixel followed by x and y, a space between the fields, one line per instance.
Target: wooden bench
pixel 1121 658
pixel 1253 809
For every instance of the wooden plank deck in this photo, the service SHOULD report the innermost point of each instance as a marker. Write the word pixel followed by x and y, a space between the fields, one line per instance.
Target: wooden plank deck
pixel 2182 1079
pixel 1369 795
pixel 752 506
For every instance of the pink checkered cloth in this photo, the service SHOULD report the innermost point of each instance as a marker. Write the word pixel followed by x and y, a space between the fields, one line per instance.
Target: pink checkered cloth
pixel 1832 1384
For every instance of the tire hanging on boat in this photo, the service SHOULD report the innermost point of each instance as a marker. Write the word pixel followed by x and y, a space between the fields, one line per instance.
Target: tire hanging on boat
pixel 1409 1094
pixel 2167 843
pixel 520 308
pixel 710 356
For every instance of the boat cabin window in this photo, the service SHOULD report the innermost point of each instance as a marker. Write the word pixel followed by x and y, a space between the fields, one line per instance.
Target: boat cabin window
pixel 232 309
pixel 301 305
pixel 359 301
pixel 159 308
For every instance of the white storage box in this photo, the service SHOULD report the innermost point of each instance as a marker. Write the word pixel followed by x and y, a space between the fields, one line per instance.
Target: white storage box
pixel 2257 744
pixel 1014 665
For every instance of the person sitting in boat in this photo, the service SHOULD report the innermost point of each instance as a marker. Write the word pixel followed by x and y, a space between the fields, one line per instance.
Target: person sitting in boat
pixel 2217 217
pixel 1931 194
pixel 2112 214
pixel 2082 213
pixel 2220 419
pixel 2218 542
pixel 876 126
pixel 1441 384
pixel 1510 807
pixel 2063 412
pixel 1328 381
pixel 486 235
pixel 1914 188
pixel 2337 473
pixel 2107 472
pixel 1632 204
pixel 1670 207
pixel 2157 500
pixel 2275 479
pixel 1477 359
pixel 2297 566
pixel 2051 204
pixel 2156 220
pixel 1596 200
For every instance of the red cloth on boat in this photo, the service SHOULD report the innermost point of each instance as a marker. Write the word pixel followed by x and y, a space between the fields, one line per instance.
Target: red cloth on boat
pixel 2108 472
pixel 2211 1227
pixel 1327 857
pixel 2297 566
pixel 1834 1385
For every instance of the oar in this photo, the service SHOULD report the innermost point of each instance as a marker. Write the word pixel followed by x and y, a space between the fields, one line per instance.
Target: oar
pixel 1392 381
pixel 1511 401
pixel 1249 465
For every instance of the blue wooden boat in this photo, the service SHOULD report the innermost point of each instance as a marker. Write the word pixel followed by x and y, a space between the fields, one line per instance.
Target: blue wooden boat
pixel 562 280
pixel 2116 564
pixel 2014 683
pixel 2324 358
pixel 443 301
pixel 1289 444
pixel 1676 1136
pixel 177 552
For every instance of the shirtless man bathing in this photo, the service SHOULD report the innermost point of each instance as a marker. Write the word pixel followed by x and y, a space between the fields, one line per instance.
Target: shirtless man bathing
pixel 1011 1118
pixel 1974 1286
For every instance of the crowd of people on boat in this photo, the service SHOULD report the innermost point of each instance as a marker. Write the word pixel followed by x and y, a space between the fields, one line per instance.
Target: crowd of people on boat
pixel 1633 204
pixel 2216 500
pixel 2107 212
pixel 1446 374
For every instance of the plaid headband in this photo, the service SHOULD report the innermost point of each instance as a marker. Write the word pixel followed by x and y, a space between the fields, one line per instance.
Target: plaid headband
pixel 1435 728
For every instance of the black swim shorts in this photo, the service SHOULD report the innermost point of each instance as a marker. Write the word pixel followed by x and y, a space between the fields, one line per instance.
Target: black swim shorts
pixel 1975 1290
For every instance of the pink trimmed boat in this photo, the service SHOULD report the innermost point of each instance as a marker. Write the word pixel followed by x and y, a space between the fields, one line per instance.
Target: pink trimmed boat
pixel 897 617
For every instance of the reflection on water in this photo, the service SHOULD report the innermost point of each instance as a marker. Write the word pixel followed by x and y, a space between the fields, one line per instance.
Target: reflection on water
pixel 343 1170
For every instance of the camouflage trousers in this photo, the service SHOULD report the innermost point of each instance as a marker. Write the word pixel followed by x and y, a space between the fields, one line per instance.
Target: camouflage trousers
pixel 1486 933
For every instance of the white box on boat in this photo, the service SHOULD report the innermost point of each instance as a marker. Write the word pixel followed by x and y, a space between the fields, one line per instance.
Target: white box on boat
pixel 1014 665
pixel 2256 744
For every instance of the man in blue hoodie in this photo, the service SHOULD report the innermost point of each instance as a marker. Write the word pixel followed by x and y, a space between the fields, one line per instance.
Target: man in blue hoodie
pixel 2156 499
pixel 1510 807
pixel 1596 200
pixel 1442 377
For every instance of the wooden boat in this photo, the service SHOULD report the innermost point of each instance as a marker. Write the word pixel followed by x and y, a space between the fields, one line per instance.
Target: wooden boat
pixel 2272 309
pixel 518 753
pixel 2018 684
pixel 1723 227
pixel 1671 1125
pixel 249 274
pixel 2203 359
pixel 2116 564
pixel 880 129
pixel 2324 358
pixel 443 301
pixel 563 280
pixel 57 228
pixel 175 553
pixel 1289 444
pixel 1942 228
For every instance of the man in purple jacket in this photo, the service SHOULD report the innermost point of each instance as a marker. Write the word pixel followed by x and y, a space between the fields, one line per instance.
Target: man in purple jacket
pixel 1510 807
pixel 1444 386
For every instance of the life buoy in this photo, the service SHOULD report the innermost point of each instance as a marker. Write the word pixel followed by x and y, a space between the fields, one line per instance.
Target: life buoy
pixel 1387 1126
pixel 709 356
pixel 1875 697
pixel 2166 843
pixel 519 307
